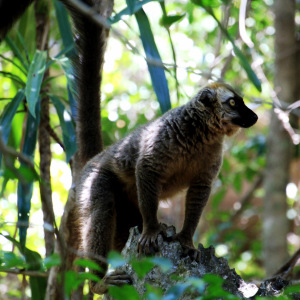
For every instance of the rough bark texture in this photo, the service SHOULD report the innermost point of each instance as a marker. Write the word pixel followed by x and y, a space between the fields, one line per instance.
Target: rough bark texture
pixel 279 144
pixel 184 267
pixel 42 34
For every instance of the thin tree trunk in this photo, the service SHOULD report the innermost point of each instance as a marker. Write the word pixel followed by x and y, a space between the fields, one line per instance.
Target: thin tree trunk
pixel 42 35
pixel 279 144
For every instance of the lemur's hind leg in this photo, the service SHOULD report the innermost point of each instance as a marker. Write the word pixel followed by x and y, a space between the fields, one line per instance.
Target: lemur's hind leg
pixel 98 211
pixel 127 216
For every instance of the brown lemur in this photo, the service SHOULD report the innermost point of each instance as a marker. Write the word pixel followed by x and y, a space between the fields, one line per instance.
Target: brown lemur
pixel 121 187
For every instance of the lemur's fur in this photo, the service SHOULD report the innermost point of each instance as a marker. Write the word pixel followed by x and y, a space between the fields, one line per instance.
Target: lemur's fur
pixel 122 186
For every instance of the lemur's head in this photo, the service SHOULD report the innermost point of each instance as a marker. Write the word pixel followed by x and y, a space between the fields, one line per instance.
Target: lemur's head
pixel 229 108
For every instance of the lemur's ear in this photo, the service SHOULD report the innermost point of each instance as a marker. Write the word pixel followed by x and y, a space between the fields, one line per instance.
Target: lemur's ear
pixel 208 96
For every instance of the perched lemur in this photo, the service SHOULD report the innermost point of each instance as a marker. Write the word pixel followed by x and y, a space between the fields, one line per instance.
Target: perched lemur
pixel 121 187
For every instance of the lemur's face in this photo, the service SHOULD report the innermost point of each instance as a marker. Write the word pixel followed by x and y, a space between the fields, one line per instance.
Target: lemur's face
pixel 234 109
pixel 228 107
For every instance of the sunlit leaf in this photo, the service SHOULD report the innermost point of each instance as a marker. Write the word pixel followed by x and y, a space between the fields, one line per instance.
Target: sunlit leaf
pixel 126 11
pixel 211 3
pixel 167 21
pixel 16 79
pixel 11 260
pixel 35 79
pixel 115 259
pixel 86 263
pixel 88 276
pixel 33 259
pixel 157 73
pixel 17 52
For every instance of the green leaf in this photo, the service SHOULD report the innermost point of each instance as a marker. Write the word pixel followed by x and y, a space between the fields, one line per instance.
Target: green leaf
pixel 86 263
pixel 115 259
pixel 33 259
pixel 238 182
pixel 64 27
pixel 38 286
pixel 71 87
pixel 68 130
pixel 164 263
pixel 125 12
pixel 8 115
pixel 157 73
pixel 245 64
pixel 197 283
pixel 153 292
pixel 24 191
pixel 11 260
pixel 131 6
pixel 203 3
pixel 16 52
pixel 71 282
pixel 142 267
pixel 88 276
pixel 167 21
pixel 124 292
pixel 14 63
pixel 175 291
pixel 217 198
pixel 52 261
pixel 16 79
pixel 35 79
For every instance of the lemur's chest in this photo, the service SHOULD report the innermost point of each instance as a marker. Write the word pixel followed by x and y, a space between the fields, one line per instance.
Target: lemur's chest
pixel 199 168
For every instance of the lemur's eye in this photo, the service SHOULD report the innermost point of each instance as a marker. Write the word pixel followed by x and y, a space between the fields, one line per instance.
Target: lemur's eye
pixel 232 102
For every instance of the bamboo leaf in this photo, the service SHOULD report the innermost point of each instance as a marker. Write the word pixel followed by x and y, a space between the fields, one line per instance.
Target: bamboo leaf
pixel 167 21
pixel 69 136
pixel 35 79
pixel 131 6
pixel 126 11
pixel 16 79
pixel 64 27
pixel 9 113
pixel 157 73
pixel 24 192
pixel 17 52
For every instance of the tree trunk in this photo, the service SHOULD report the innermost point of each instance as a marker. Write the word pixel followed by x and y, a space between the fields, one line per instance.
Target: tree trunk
pixel 42 36
pixel 279 143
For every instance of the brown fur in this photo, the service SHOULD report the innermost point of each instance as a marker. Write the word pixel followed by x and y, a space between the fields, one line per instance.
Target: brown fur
pixel 122 186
